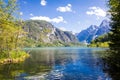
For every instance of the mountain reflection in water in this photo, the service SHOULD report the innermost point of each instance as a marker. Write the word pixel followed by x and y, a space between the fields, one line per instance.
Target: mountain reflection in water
pixel 57 64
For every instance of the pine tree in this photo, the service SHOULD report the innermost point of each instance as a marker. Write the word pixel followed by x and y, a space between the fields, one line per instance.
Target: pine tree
pixel 114 55
pixel 115 24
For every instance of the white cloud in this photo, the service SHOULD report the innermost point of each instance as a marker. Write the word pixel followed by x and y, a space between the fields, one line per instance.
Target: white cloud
pixel 65 8
pixel 96 11
pixel 21 13
pixel 43 2
pixel 55 20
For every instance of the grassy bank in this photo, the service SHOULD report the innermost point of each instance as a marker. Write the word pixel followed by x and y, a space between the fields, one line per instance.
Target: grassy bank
pixel 14 57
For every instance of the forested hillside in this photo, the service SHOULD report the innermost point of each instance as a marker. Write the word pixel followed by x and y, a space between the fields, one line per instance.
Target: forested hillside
pixel 101 41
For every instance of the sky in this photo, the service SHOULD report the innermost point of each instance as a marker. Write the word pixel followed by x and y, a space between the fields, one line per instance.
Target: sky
pixel 68 15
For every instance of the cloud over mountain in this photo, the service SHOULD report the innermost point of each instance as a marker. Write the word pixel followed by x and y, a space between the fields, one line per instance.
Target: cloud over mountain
pixel 55 20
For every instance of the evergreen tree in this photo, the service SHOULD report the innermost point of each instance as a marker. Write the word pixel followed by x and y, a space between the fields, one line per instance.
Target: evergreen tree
pixel 114 55
pixel 115 23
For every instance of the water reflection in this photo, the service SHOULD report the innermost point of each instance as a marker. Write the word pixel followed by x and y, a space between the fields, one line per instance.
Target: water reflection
pixel 56 64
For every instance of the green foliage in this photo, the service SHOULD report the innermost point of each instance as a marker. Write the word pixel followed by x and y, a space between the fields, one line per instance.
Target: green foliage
pixel 7 8
pixel 29 43
pixel 32 43
pixel 12 36
pixel 17 54
pixel 115 23
pixel 101 41
pixel 113 58
pixel 56 44
pixel 45 30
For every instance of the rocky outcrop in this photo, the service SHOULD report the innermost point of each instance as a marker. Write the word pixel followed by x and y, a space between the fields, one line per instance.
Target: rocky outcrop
pixel 93 32
pixel 46 32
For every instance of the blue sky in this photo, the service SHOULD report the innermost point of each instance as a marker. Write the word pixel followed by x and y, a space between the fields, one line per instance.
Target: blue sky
pixel 70 15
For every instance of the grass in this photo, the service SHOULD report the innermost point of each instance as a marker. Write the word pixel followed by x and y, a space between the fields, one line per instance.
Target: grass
pixel 14 57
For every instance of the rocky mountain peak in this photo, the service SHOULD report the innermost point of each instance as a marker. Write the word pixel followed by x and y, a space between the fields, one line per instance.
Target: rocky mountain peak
pixel 45 32
pixel 104 23
pixel 93 27
pixel 93 32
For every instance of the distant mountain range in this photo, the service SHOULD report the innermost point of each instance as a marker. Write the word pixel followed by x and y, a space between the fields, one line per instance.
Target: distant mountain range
pixel 93 32
pixel 42 31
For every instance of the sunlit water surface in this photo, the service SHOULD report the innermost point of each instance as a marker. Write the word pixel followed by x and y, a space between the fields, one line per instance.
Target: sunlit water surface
pixel 61 63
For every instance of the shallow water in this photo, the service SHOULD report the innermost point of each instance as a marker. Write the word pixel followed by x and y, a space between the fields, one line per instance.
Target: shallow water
pixel 61 63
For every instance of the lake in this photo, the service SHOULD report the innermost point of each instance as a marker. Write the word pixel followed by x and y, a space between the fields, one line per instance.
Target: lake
pixel 61 63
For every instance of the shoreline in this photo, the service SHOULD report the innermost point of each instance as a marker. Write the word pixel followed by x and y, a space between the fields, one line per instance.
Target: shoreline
pixel 13 60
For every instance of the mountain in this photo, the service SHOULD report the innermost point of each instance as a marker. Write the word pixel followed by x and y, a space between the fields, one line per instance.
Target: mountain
pixel 42 31
pixel 103 28
pixel 93 32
